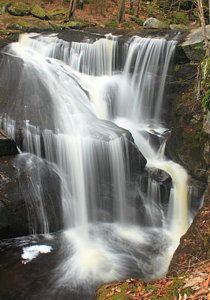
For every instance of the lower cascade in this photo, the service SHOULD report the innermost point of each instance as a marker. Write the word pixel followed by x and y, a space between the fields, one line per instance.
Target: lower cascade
pixel 93 117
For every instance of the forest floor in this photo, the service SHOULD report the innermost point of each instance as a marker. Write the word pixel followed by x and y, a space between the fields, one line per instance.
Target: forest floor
pixel 28 15
pixel 193 284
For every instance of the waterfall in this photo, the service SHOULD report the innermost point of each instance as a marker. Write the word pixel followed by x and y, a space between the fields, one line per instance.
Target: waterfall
pixel 71 106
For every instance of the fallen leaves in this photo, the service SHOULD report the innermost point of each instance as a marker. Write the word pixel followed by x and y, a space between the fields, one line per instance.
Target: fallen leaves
pixel 193 285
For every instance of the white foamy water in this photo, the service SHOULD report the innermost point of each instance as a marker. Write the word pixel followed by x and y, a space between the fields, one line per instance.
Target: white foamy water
pixel 31 252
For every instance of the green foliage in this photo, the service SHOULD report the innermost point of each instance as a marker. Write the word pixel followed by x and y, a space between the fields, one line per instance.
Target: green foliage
pixel 178 17
pixel 19 9
pixel 205 73
pixel 38 12
pixel 111 24
pixel 3 6
pixel 137 20
pixel 206 100
pixel 127 25
pixel 152 9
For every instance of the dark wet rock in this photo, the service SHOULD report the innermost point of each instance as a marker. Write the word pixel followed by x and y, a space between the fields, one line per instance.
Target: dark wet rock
pixel 159 176
pixel 7 145
pixel 13 215
pixel 137 161
pixel 36 278
pixel 18 198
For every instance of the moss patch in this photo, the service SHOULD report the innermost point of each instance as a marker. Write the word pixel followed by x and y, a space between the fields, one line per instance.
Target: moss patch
pixel 205 68
pixel 26 24
pixel 19 9
pixel 57 14
pixel 74 25
pixel 38 12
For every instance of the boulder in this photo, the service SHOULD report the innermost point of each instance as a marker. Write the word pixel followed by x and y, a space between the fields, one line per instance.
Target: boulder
pixel 19 9
pixel 153 23
pixel 38 12
pixel 193 44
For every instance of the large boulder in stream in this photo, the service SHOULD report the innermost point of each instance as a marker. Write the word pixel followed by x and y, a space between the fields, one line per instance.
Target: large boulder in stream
pixel 21 198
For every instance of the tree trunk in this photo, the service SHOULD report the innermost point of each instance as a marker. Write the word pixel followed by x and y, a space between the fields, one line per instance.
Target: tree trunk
pixel 121 11
pixel 203 25
pixel 209 11
pixel 72 8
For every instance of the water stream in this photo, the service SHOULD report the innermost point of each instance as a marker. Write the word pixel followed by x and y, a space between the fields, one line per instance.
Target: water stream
pixel 77 109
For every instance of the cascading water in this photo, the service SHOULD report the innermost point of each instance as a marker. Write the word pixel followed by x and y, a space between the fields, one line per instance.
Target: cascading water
pixel 74 108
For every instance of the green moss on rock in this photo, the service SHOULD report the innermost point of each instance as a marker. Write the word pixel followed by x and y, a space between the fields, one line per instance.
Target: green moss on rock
pixel 205 69
pixel 38 12
pixel 28 24
pixel 74 25
pixel 57 14
pixel 19 9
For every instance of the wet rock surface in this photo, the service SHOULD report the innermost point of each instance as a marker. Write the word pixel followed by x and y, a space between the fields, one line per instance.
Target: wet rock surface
pixel 18 198
pixel 19 280
pixel 13 214
pixel 7 145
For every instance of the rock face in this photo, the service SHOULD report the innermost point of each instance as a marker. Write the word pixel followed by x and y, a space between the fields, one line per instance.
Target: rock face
pixel 153 23
pixel 188 139
pixel 13 215
pixel 7 145
pixel 193 44
pixel 18 198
